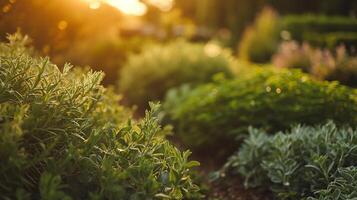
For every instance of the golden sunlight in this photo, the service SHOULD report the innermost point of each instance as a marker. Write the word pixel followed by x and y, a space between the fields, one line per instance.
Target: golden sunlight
pixel 132 7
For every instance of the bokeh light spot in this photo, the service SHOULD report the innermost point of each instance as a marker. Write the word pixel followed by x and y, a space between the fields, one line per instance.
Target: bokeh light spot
pixel 6 8
pixel 268 89
pixel 62 25
pixel 212 50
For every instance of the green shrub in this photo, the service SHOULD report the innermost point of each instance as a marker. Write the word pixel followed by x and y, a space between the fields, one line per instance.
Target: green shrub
pixel 149 75
pixel 213 114
pixel 322 64
pixel 321 30
pixel 259 42
pixel 64 136
pixel 316 162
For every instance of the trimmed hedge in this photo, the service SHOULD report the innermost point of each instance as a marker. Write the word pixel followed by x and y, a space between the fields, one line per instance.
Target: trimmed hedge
pixel 64 136
pixel 307 162
pixel 150 74
pixel 321 30
pixel 214 114
pixel 332 40
pixel 298 24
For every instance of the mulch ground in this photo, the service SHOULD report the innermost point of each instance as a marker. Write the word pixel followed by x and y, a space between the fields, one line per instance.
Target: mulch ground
pixel 233 189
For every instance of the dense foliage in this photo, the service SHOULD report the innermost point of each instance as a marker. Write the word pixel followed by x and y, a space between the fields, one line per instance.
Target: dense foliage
pixel 64 136
pixel 148 75
pixel 213 114
pixel 259 42
pixel 322 64
pixel 316 162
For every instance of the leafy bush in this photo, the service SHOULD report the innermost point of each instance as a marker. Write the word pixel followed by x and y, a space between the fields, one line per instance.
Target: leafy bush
pixel 64 136
pixel 149 75
pixel 213 114
pixel 322 64
pixel 321 30
pixel 259 42
pixel 316 162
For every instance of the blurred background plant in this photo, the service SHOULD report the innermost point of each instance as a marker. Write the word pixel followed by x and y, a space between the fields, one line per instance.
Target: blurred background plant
pixel 323 64
pixel 259 42
pixel 149 75
pixel 88 32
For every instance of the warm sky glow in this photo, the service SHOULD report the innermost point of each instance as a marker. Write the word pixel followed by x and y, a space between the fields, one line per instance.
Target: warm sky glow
pixel 132 7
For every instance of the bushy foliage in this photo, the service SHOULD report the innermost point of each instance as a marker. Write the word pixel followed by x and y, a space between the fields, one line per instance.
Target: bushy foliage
pixel 321 30
pixel 64 136
pixel 322 64
pixel 260 41
pixel 214 114
pixel 315 162
pixel 147 76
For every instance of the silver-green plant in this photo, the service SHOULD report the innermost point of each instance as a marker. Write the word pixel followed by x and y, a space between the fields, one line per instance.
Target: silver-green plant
pixel 308 162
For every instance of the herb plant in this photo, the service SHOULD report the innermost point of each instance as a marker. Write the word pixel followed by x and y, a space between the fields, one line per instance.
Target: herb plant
pixel 64 136
pixel 307 162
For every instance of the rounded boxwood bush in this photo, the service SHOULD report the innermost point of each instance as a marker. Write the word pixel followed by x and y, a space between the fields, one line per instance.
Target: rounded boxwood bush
pixel 212 115
pixel 306 162
pixel 64 136
pixel 147 76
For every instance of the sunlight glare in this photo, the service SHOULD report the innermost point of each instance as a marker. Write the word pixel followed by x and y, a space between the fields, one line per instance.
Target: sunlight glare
pixel 132 7
pixel 129 7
